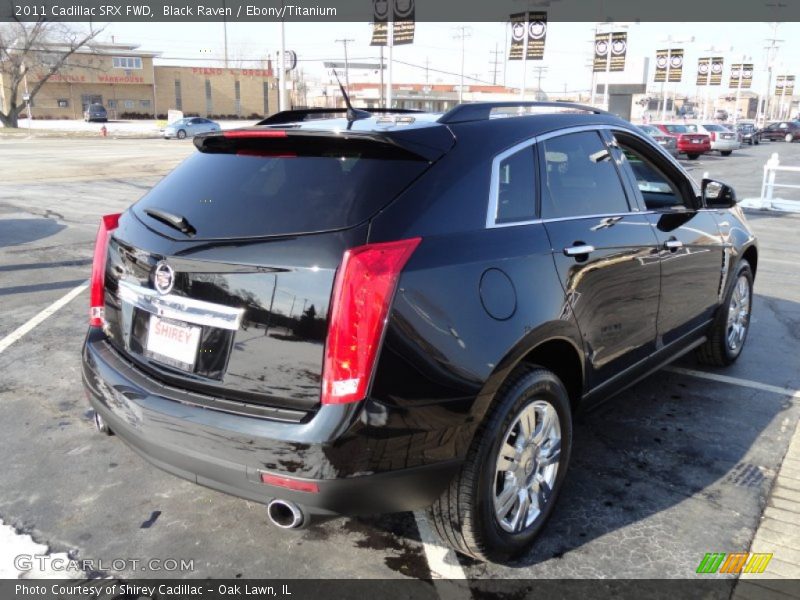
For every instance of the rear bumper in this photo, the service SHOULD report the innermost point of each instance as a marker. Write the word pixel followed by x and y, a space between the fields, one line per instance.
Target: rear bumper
pixel 229 452
pixel 725 145
pixel 690 148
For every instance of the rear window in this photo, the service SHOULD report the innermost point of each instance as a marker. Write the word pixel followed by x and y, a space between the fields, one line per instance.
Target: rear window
pixel 249 192
pixel 677 128
pixel 716 128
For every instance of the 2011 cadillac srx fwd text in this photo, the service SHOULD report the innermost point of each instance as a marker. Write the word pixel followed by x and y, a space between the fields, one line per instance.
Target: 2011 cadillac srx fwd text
pixel 343 313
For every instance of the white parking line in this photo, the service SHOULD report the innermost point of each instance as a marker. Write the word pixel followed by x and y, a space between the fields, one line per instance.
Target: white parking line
pixel 756 385
pixel 447 574
pixel 20 331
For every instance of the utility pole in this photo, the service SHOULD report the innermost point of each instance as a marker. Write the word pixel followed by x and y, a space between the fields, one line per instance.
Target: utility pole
pixel 390 45
pixel 282 68
pixel 462 33
pixel 495 70
pixel 772 51
pixel 344 43
pixel 539 71
pixel 225 33
pixel 383 89
pixel 427 63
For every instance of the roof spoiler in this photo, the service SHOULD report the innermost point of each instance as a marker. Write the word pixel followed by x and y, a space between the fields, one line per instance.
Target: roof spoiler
pixel 480 111
pixel 308 114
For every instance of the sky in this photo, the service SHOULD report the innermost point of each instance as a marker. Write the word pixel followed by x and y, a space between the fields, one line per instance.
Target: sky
pixel 568 49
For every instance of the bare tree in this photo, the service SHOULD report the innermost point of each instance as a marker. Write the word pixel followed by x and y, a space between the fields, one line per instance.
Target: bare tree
pixel 47 47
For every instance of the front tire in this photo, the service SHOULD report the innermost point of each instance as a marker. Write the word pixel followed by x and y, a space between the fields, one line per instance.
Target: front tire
pixel 181 134
pixel 506 490
pixel 789 137
pixel 726 152
pixel 692 156
pixel 729 330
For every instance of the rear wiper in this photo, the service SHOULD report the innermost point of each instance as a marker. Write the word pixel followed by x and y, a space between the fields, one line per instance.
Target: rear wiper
pixel 174 221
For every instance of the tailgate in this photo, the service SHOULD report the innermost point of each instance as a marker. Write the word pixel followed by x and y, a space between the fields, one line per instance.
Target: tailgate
pixel 244 322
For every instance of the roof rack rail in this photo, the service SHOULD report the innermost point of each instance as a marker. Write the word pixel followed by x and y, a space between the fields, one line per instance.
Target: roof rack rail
pixel 308 114
pixel 479 111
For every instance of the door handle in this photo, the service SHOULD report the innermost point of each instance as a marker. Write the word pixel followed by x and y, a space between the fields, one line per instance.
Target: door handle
pixel 578 250
pixel 673 245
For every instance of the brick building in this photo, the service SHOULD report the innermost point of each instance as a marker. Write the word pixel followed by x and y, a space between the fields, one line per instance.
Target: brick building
pixel 126 81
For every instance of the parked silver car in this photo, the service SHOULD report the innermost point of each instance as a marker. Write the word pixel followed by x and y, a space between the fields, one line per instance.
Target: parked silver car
pixel 189 127
pixel 723 139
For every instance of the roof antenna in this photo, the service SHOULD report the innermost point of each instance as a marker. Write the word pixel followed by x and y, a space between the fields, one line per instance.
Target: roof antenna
pixel 353 114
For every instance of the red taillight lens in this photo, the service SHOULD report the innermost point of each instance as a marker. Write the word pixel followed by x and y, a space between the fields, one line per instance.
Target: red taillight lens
pixel 362 294
pixel 108 223
pixel 713 136
pixel 297 485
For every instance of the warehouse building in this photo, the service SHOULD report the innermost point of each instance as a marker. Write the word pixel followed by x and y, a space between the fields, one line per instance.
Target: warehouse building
pixel 126 81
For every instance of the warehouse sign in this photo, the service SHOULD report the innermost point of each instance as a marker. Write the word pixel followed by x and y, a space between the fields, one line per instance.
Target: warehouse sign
pixel 119 79
pixel 614 43
pixel 741 75
pixel 669 65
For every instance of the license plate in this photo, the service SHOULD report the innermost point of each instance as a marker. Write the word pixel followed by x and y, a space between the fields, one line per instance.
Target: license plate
pixel 695 141
pixel 727 137
pixel 172 342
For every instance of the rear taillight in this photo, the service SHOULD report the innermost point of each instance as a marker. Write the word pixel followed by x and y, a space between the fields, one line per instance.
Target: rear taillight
pixel 108 223
pixel 713 136
pixel 362 293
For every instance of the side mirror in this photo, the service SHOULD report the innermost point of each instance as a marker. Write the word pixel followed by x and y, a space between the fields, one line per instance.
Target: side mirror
pixel 716 194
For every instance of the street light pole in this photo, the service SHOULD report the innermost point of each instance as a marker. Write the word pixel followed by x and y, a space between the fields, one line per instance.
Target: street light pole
pixel 608 71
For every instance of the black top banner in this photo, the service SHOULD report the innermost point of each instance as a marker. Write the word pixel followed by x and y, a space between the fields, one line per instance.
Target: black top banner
pixel 528 28
pixel 363 10
pixel 537 32
pixel 743 71
pixel 709 70
pixel 617 44
pixel 784 85
pixel 669 65
pixel 402 26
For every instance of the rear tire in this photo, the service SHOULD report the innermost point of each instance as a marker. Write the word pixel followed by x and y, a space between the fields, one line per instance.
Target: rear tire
pixel 483 513
pixel 726 152
pixel 692 156
pixel 728 332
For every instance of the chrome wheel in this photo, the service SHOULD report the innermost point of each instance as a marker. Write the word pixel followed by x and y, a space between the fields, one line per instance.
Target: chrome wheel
pixel 738 314
pixel 527 466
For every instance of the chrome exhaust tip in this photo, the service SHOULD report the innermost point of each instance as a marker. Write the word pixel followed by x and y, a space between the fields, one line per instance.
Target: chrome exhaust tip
pixel 285 514
pixel 101 425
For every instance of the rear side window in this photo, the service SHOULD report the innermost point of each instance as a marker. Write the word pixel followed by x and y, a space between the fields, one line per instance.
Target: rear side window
pixel 579 177
pixel 516 199
pixel 255 192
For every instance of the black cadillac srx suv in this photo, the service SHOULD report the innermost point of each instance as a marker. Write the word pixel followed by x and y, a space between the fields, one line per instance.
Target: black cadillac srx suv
pixel 351 313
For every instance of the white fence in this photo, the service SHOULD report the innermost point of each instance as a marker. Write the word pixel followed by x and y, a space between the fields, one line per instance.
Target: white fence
pixel 768 185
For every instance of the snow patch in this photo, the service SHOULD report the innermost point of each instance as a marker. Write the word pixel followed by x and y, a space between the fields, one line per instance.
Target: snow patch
pixel 777 204
pixel 13 545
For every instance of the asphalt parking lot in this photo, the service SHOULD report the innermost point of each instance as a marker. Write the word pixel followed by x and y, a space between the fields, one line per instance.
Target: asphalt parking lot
pixel 673 468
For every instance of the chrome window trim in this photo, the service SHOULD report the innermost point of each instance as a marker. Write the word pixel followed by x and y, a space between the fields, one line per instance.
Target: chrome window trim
pixel 494 185
pixel 171 306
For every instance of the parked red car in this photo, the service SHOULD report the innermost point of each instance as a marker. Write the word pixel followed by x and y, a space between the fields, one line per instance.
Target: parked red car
pixel 690 144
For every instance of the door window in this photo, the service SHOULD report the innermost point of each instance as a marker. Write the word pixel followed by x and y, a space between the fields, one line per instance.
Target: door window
pixel 579 177
pixel 661 185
